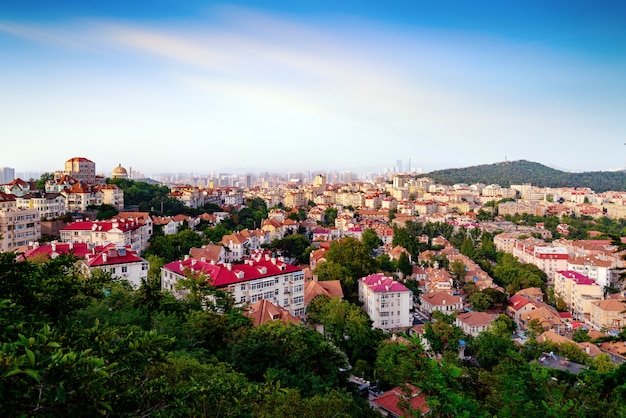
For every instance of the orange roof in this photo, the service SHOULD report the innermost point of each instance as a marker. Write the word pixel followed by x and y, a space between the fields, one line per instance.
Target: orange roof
pixel 330 288
pixel 392 400
pixel 263 311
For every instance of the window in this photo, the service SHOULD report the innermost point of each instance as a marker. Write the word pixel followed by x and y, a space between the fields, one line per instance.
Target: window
pixel 242 299
pixel 383 314
pixel 243 287
pixel 298 300
pixel 124 269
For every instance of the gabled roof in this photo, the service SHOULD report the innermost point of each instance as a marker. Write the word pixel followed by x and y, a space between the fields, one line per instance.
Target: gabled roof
pixel 379 283
pixel 610 305
pixel 441 299
pixel 476 318
pixel 53 250
pixel 393 399
pixel 102 226
pixel 330 288
pixel 111 255
pixel 263 311
pixel 222 275
pixel 208 252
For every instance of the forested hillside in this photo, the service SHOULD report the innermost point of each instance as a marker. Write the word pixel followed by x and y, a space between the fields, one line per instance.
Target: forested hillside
pixel 522 171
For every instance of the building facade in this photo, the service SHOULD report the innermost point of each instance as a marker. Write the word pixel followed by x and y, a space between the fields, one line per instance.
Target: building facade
pixel 386 301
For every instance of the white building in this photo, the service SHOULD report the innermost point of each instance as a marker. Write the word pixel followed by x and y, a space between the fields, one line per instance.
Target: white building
pixel 260 277
pixel 121 262
pixel 121 232
pixel 386 301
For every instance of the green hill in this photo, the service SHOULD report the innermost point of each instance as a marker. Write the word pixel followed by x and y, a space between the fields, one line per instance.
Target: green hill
pixel 522 171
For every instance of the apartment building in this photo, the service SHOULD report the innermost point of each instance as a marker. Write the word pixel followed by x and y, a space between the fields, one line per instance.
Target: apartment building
pixel 18 228
pixel 386 301
pixel 121 232
pixel 577 291
pixel 49 205
pixel 259 277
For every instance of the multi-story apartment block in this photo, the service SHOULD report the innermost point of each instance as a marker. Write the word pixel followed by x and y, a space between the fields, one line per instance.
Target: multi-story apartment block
pixel 49 205
pixel 121 232
pixel 518 208
pixel 79 196
pixel 80 168
pixel 260 277
pixel 548 259
pixel 111 195
pixel 608 314
pixel 577 291
pixel 386 301
pixel 17 227
pixel 7 174
pixel 595 268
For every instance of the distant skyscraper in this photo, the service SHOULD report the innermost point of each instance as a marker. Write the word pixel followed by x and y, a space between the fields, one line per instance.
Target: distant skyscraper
pixel 399 166
pixel 7 175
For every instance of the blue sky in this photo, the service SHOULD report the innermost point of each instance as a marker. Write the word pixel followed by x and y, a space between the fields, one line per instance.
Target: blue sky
pixel 291 86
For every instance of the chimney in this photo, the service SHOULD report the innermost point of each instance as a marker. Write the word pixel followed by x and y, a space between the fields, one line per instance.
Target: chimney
pixel 186 257
pixel 229 266
pixel 588 349
pixel 104 257
pixel 54 245
pixel 71 245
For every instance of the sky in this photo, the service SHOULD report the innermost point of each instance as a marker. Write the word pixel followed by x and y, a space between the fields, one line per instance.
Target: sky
pixel 286 86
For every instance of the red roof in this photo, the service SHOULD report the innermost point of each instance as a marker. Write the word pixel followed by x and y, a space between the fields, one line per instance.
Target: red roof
pixel 392 400
pixel 105 226
pixel 79 250
pixel 379 283
pixel 517 302
pixel 110 254
pixel 221 275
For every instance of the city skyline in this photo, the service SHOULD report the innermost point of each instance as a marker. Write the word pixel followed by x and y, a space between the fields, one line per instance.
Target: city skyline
pixel 342 86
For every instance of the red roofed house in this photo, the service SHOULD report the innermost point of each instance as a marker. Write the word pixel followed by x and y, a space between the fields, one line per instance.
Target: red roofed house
pixel 473 323
pixel 121 232
pixel 259 277
pixel 330 288
pixel 396 402
pixel 386 301
pixel 121 262
pixel 440 301
pixel 264 311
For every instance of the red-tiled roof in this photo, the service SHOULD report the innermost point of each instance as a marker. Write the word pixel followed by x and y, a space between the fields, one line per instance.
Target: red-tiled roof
pixel 391 400
pixel 220 275
pixel 378 282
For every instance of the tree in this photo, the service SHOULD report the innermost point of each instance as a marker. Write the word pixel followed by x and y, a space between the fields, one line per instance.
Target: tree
pixel 296 356
pixel 371 239
pixel 458 270
pixel 330 214
pixel 404 265
pixel 480 301
pixel 580 335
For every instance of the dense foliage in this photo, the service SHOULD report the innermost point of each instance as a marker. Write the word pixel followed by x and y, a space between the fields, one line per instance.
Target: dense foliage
pixel 522 171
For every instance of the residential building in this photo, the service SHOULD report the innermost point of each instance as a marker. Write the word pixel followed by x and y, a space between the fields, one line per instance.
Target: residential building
pixel 473 323
pixel 123 232
pixel 328 288
pixel 82 169
pixel 111 195
pixel 264 311
pixel 440 301
pixel 386 301
pixel 18 228
pixel 259 277
pixel 400 402
pixel 577 291
pixel 49 205
pixel 608 314
pixel 79 196
pixel 121 262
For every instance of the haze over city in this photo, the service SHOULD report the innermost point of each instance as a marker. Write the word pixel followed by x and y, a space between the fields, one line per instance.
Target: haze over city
pixel 284 86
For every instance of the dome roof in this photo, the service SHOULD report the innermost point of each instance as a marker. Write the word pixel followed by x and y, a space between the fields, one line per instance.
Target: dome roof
pixel 119 171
